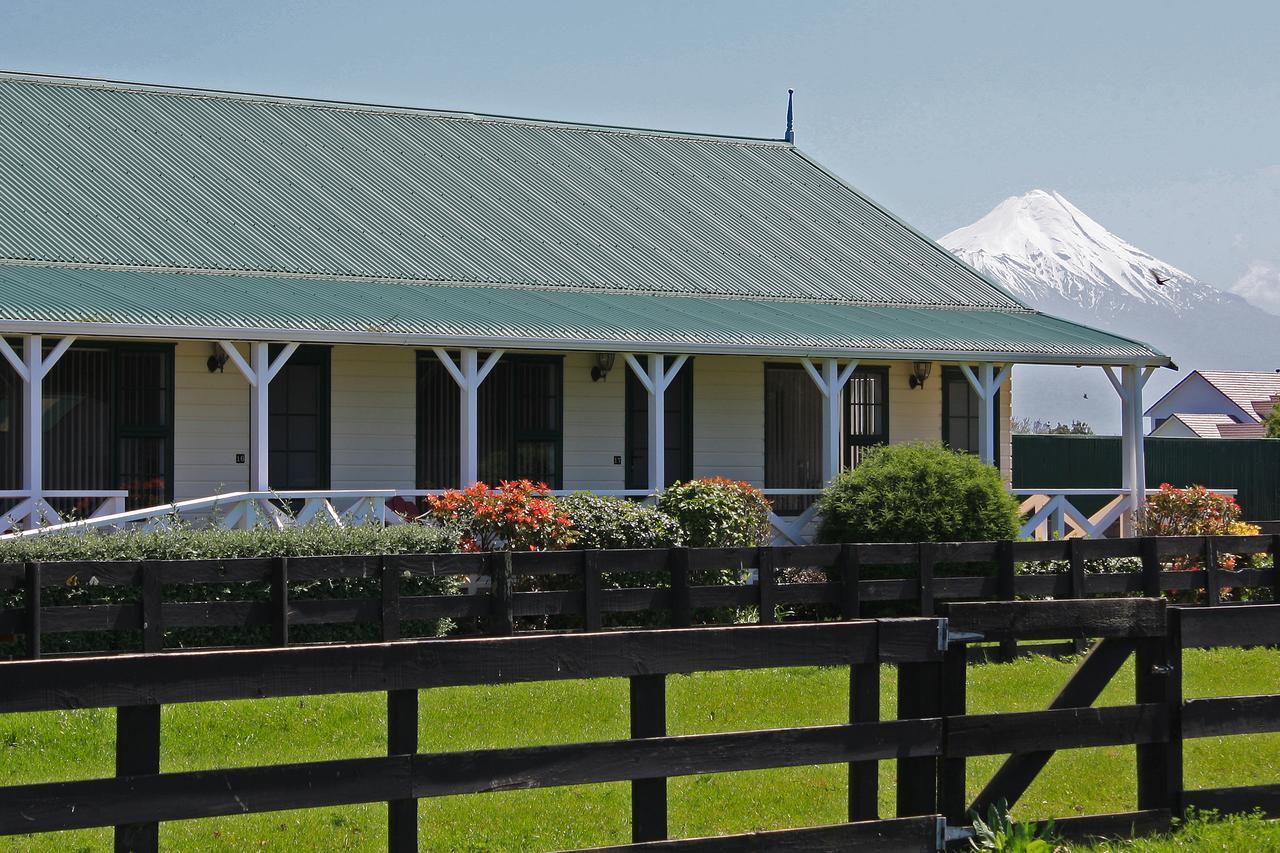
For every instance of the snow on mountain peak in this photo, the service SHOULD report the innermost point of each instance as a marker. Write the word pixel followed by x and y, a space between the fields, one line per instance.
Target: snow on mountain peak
pixel 1040 239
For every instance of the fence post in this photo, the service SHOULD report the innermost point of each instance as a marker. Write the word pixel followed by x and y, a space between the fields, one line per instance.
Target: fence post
pixel 925 559
pixel 648 796
pixel 1275 567
pixel 592 618
pixel 1150 566
pixel 1173 696
pixel 766 584
pixel 137 754
pixel 1077 581
pixel 502 613
pixel 681 607
pixel 1006 590
pixel 919 689
pixel 31 598
pixel 152 606
pixel 1212 588
pixel 864 707
pixel 280 601
pixel 402 717
pixel 1153 672
pixel 952 799
pixel 849 571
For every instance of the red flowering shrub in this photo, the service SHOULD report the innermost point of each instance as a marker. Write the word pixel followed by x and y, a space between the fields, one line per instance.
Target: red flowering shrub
pixel 1194 511
pixel 519 515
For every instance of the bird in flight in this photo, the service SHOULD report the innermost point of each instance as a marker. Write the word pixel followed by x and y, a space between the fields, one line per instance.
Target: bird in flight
pixel 1160 282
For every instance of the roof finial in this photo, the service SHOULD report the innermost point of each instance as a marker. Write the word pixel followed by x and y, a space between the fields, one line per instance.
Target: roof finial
pixel 791 129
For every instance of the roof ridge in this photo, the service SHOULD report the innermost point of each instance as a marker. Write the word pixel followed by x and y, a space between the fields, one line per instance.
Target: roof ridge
pixel 553 288
pixel 197 92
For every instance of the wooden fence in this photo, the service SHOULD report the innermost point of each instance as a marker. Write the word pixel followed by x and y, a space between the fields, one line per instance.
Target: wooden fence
pixel 852 576
pixel 930 740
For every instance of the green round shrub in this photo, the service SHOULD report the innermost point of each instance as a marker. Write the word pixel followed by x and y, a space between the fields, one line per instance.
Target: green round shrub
pixel 600 521
pixel 717 513
pixel 917 493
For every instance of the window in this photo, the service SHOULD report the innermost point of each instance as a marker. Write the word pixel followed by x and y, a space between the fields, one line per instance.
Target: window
pixel 960 407
pixel 793 427
pixel 299 421
pixel 678 408
pixel 866 400
pixel 107 424
pixel 521 410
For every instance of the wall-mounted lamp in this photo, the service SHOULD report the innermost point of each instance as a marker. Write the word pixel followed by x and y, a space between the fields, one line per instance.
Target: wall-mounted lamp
pixel 920 372
pixel 604 363
pixel 217 360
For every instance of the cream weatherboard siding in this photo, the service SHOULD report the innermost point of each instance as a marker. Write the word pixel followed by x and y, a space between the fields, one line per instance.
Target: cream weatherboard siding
pixel 374 409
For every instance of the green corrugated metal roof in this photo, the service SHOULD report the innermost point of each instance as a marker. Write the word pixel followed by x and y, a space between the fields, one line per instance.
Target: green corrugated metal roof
pixel 94 300
pixel 433 223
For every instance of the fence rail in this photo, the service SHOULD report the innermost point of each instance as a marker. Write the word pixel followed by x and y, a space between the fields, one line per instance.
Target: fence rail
pixel 841 581
pixel 930 739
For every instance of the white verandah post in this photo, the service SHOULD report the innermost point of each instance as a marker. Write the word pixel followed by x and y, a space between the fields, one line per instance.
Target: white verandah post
pixel 830 382
pixel 1129 387
pixel 259 372
pixel 468 375
pixel 656 377
pixel 987 384
pixel 32 368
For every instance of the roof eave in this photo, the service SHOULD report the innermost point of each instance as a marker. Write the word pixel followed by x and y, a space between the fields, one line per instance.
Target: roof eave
pixel 284 335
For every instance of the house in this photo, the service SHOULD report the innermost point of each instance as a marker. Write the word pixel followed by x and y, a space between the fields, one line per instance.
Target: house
pixel 208 292
pixel 1216 404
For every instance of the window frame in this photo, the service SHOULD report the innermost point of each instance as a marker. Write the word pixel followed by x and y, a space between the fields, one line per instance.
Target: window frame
pixel 631 429
pixel 953 373
pixel 314 355
pixel 850 440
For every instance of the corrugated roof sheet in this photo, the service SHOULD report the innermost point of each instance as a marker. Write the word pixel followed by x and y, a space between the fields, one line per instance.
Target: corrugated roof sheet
pixel 174 304
pixel 353 216
pixel 146 176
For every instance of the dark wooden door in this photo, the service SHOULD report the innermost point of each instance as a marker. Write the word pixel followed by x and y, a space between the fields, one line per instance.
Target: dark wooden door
pixel 298 407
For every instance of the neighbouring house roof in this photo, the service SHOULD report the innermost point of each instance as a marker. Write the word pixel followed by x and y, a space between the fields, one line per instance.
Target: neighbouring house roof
pixel 165 208
pixel 1218 426
pixel 1251 392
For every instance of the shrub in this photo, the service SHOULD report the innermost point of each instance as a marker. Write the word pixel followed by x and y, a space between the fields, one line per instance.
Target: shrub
pixel 917 493
pixel 184 542
pixel 518 515
pixel 717 513
pixel 607 522
pixel 1196 511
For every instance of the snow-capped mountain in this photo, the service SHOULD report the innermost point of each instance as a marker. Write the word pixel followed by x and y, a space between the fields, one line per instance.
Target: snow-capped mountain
pixel 1054 257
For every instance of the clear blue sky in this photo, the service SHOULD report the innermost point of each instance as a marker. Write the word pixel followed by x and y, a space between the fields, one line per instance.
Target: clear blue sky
pixel 1159 119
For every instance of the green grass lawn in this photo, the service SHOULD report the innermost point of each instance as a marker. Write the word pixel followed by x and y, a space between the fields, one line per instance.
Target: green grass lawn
pixel 79 744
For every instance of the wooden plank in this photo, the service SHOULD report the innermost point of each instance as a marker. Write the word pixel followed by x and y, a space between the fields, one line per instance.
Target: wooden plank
pixel 591 612
pixel 1115 583
pixel 402 739
pixel 12 576
pixel 1150 548
pixel 896 835
pixel 1099 549
pixel 864 707
pixel 1212 581
pixel 1018 771
pixel 90 617
pixel 952 799
pixel 555 602
pixel 502 619
pixel 1238 800
pixel 703 559
pixel 54 806
pixel 541 563
pixel 639 598
pixel 889 589
pixel 678 563
pixel 1231 625
pixel 806 593
pixel 890 554
pixel 735 595
pixel 1177 546
pixel 137 754
pixel 215 614
pixel 1040 551
pixel 309 670
pixel 1007 591
pixel 1078 587
pixel 825 557
pixel 966 587
pixel 1052 620
pixel 335 611
pixel 439 565
pixel 766 586
pixel 280 601
pixel 648 712
pixel 1152 669
pixel 1065 728
pixel 1231 715
pixel 1119 825
pixel 910 640
pixel 31 600
pixel 243 570
pixel 445 606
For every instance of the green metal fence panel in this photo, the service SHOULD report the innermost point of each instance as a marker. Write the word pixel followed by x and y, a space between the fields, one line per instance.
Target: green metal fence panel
pixel 1251 466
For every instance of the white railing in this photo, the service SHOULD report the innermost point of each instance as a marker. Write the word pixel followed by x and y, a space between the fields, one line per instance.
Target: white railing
pixel 1050 513
pixel 34 511
pixel 242 509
